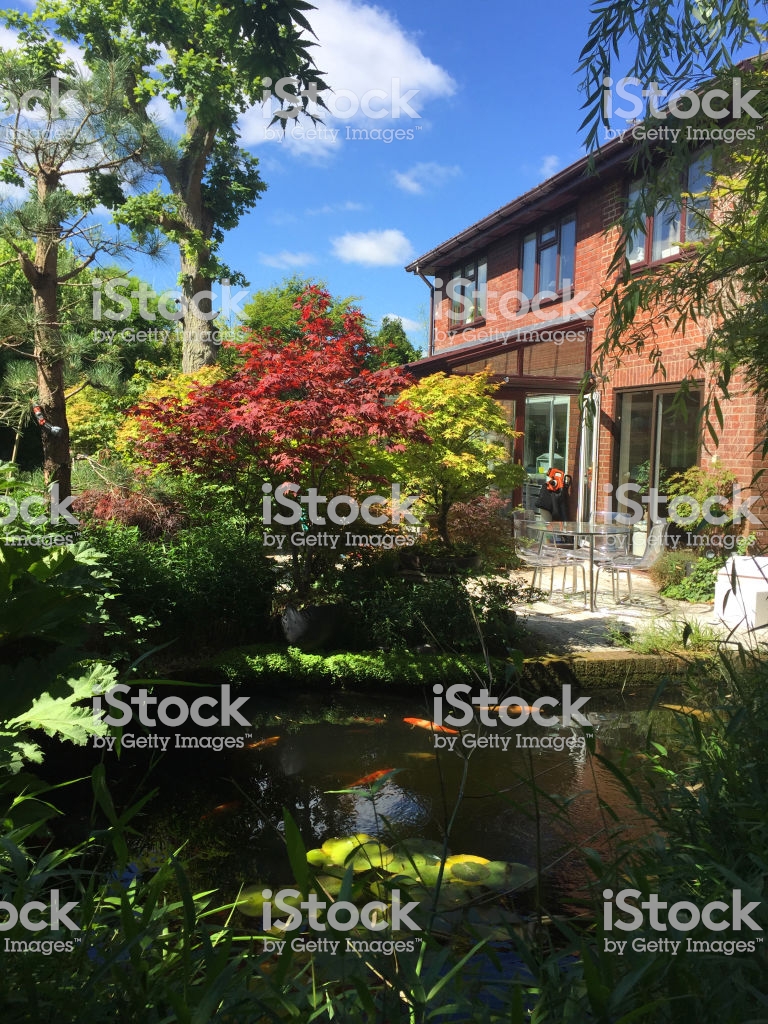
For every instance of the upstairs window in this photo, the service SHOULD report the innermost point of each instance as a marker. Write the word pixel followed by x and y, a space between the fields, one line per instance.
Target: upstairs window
pixel 547 260
pixel 670 225
pixel 467 292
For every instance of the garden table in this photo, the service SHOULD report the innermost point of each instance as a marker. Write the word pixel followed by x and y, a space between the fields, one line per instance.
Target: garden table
pixel 577 530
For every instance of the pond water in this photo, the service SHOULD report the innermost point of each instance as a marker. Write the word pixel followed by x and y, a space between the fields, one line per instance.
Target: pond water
pixel 227 806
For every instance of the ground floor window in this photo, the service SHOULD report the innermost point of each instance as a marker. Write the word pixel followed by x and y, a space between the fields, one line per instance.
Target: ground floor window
pixel 659 433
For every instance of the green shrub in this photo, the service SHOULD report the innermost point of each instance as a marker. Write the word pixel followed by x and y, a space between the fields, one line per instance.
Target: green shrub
pixel 699 584
pixel 275 668
pixel 671 567
pixel 388 611
pixel 206 586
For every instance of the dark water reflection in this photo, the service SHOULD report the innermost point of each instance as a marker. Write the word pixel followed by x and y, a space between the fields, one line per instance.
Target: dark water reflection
pixel 231 811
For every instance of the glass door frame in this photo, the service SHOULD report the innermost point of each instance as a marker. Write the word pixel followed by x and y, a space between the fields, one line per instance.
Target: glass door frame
pixel 658 396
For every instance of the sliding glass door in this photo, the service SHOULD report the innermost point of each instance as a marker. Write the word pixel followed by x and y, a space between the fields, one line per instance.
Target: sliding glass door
pixel 659 434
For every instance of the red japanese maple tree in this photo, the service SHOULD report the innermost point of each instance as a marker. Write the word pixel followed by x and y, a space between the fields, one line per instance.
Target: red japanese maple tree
pixel 305 412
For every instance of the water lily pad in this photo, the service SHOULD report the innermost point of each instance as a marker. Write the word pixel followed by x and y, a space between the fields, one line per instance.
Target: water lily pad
pixel 330 884
pixel 317 858
pixel 504 875
pixel 416 855
pixel 465 867
pixel 251 900
pixel 338 850
pixel 371 855
pixel 430 872
pixel 453 894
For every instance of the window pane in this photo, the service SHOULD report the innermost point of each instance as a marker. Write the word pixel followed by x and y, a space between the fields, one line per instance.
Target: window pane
pixel 666 232
pixel 567 254
pixel 538 431
pixel 636 241
pixel 548 234
pixel 454 291
pixel 470 307
pixel 482 278
pixel 635 414
pixel 548 269
pixel 679 431
pixel 698 204
pixel 529 266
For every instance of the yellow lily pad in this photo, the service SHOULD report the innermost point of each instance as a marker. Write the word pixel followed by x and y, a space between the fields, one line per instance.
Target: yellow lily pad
pixel 338 850
pixel 465 867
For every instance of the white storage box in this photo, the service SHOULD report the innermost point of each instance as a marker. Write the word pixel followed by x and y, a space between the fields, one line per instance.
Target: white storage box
pixel 747 605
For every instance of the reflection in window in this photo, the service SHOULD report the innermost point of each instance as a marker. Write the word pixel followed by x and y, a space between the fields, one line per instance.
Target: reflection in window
pixel 659 434
pixel 671 225
pixel 547 260
pixel 467 291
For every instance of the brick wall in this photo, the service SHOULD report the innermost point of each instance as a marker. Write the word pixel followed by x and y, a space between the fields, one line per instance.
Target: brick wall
pixel 744 417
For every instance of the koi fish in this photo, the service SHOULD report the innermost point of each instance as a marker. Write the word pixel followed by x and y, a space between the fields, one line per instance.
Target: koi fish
pixel 424 723
pixel 368 721
pixel 516 708
pixel 270 741
pixel 684 709
pixel 224 808
pixel 368 779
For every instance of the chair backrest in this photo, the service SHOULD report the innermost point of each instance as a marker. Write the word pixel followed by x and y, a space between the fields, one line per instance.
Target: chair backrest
pixel 654 544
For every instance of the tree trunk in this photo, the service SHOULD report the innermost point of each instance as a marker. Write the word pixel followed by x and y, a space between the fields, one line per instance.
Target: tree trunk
pixel 57 463
pixel 199 349
pixel 442 521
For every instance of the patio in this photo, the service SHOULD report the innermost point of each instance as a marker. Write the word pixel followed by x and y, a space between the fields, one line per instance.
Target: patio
pixel 566 625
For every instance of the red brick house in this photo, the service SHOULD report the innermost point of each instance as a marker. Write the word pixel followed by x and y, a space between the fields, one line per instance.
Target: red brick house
pixel 518 293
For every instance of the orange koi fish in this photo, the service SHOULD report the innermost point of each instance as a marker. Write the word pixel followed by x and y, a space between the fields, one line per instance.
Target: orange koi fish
pixel 368 779
pixel 223 808
pixel 270 741
pixel 514 708
pixel 424 723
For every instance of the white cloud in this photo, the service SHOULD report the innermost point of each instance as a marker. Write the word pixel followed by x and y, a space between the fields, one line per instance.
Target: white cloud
pixel 408 325
pixel 372 65
pixel 286 260
pixel 282 217
pixel 373 248
pixel 422 176
pixel 346 207
pixel 549 165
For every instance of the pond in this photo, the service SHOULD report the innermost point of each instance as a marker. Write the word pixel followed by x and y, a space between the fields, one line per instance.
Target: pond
pixel 227 806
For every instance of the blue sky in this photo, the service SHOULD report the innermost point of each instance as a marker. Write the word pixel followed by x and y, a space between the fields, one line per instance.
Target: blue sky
pixel 499 112
pixel 490 106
